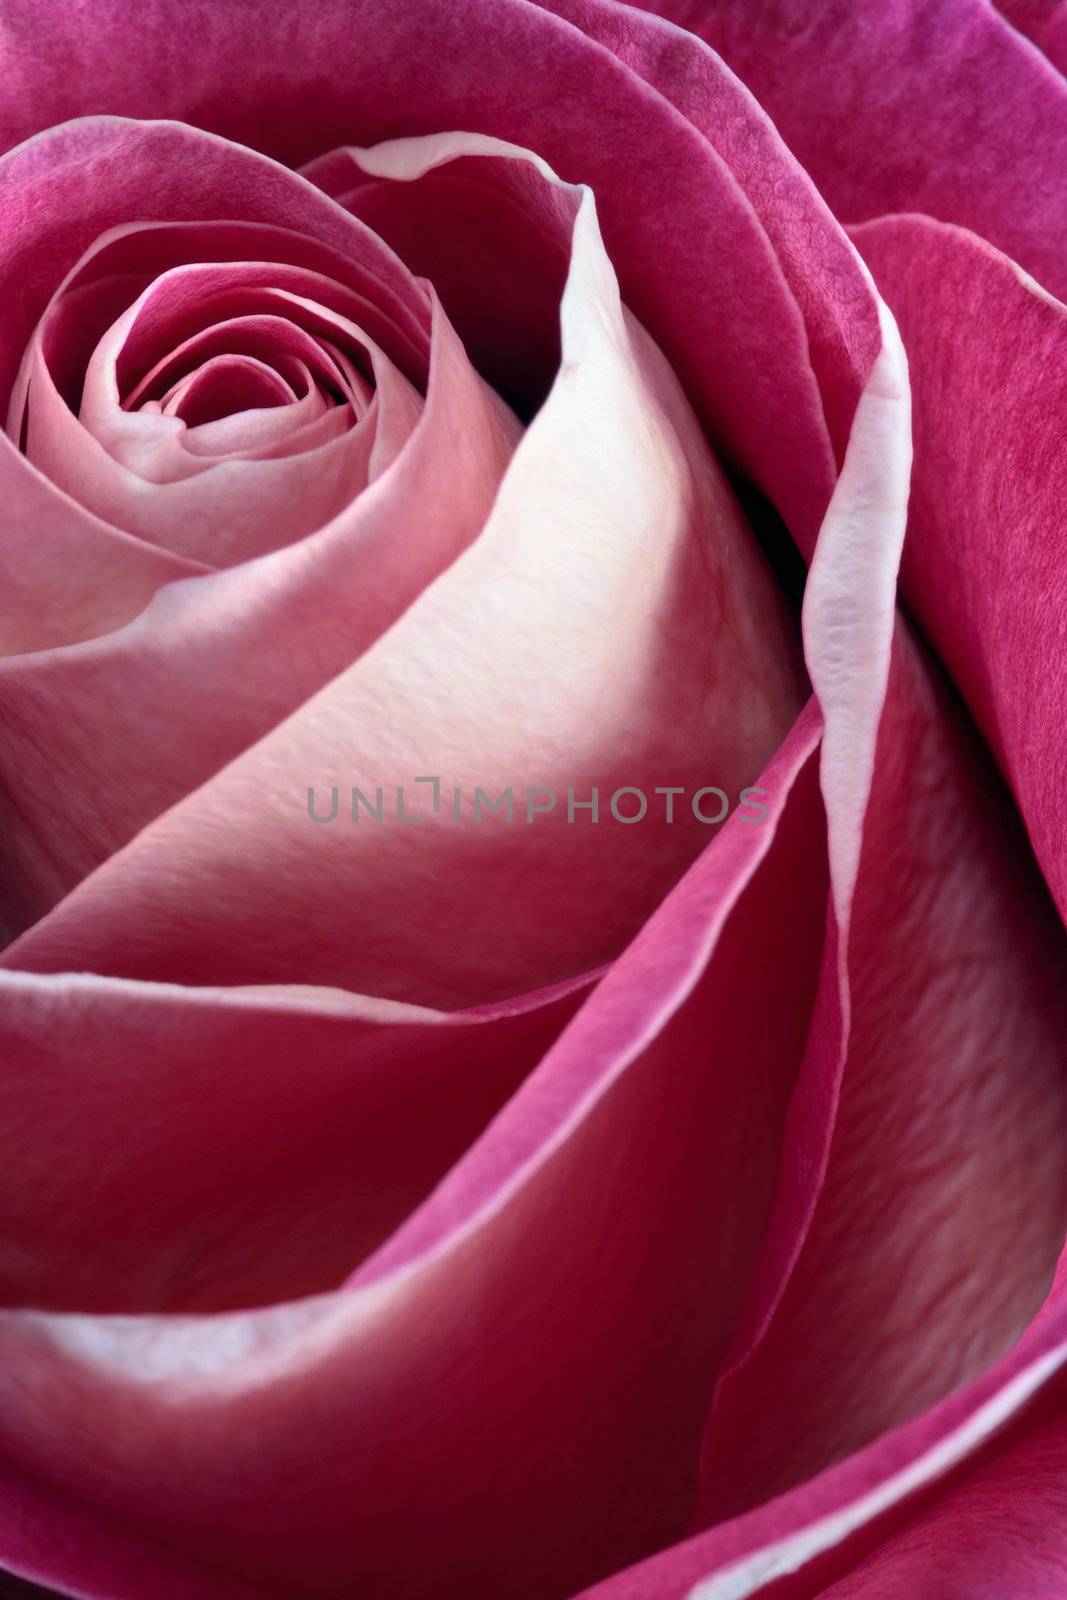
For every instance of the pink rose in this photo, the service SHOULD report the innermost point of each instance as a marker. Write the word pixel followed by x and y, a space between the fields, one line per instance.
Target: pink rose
pixel 534 1064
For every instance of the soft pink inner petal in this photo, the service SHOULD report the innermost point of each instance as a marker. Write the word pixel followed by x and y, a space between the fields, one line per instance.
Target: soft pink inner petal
pixel 69 576
pixel 223 511
pixel 195 312
pixel 87 757
pixel 494 678
pixel 274 340
pixel 75 175
pixel 150 484
pixel 266 435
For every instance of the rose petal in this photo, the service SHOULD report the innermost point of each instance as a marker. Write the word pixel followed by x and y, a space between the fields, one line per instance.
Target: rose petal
pixel 1043 21
pixel 800 1543
pixel 226 384
pixel 100 172
pixel 471 208
pixel 777 1419
pixel 130 468
pixel 942 1211
pixel 523 1329
pixel 231 655
pixel 984 566
pixel 1001 1526
pixel 65 575
pixel 717 300
pixel 975 134
pixel 493 679
pixel 833 294
pixel 50 1537
pixel 354 1111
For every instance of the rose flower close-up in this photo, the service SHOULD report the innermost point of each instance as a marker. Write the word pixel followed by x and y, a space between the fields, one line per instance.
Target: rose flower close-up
pixel 533 800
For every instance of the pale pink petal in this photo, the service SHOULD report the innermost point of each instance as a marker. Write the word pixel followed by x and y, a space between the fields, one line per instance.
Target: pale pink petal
pixel 232 654
pixel 130 466
pixel 219 511
pixel 66 576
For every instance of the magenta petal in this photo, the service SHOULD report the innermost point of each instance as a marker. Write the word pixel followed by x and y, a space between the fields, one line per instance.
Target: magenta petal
pixel 1044 22
pixel 941 1212
pixel 51 1539
pixel 822 1363
pixel 304 1166
pixel 798 1544
pixel 898 105
pixel 999 1529
pixel 984 560
pixel 832 293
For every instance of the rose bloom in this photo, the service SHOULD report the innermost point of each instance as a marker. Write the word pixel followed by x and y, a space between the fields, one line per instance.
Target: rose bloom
pixel 576 406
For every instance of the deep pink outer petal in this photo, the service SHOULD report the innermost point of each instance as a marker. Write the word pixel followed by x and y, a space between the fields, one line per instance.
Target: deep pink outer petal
pixel 834 297
pixel 1044 22
pixel 796 1547
pixel 899 105
pixel 942 1212
pixel 984 963
pixel 985 562
pixel 1000 1530
pixel 50 1539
